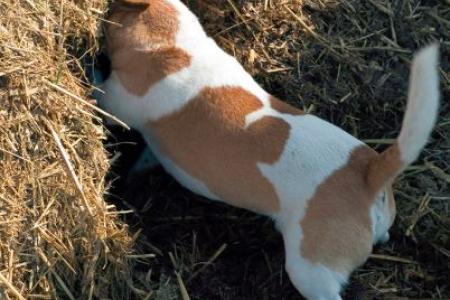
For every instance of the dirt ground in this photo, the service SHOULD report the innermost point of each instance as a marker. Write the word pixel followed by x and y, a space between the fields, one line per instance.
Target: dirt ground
pixel 347 62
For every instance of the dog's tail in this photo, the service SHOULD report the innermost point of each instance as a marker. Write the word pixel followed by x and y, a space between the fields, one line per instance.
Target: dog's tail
pixel 418 122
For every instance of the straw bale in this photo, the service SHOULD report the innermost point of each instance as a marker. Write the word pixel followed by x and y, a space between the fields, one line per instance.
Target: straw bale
pixel 58 238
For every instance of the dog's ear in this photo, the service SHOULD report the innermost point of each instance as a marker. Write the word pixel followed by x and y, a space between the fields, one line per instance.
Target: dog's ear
pixel 134 4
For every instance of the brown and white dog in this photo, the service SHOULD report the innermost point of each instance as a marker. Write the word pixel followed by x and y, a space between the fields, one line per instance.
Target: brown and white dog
pixel 222 136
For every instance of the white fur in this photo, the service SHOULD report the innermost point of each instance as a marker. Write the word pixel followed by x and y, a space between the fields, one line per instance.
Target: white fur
pixel 314 150
pixel 381 219
pixel 423 101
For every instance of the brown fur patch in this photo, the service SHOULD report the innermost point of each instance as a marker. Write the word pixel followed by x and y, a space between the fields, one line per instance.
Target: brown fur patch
pixel 208 140
pixel 284 108
pixel 337 224
pixel 384 168
pixel 142 49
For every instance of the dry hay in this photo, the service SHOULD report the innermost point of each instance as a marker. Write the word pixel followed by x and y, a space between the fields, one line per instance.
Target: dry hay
pixel 58 238
pixel 348 62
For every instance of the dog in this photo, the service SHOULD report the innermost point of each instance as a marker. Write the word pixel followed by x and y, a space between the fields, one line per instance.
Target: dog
pixel 222 136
